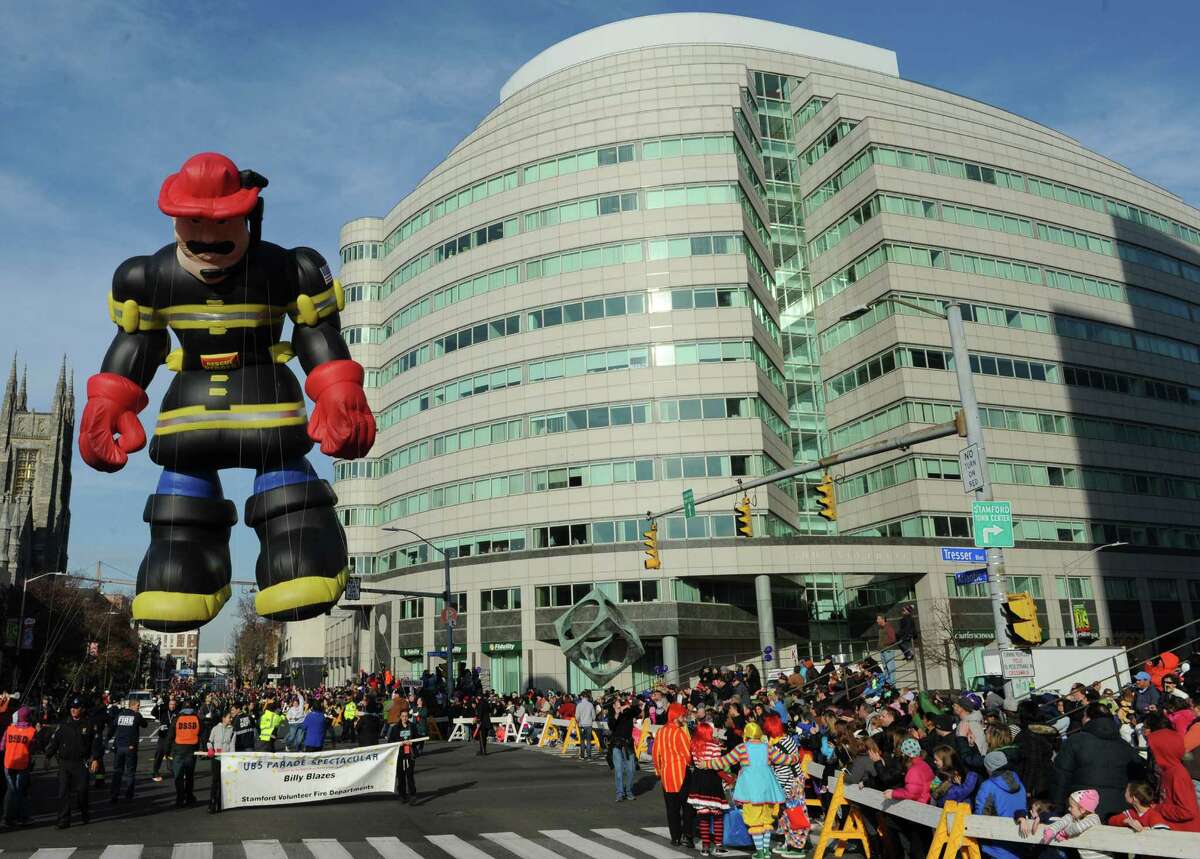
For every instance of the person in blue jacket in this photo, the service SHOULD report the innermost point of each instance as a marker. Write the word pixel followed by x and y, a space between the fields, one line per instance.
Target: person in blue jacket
pixel 954 781
pixel 1000 795
pixel 312 729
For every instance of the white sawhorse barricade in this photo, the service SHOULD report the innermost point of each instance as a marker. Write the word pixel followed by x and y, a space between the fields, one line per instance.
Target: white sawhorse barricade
pixel 503 728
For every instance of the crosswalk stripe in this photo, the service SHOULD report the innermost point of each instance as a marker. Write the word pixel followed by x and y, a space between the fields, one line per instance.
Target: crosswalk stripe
pixel 392 848
pixel 193 850
pixel 53 853
pixel 660 831
pixel 523 847
pixel 592 849
pixel 653 848
pixel 122 851
pixel 326 848
pixel 456 847
pixel 265 848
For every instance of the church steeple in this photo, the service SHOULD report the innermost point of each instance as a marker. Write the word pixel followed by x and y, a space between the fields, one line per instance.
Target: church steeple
pixel 23 391
pixel 10 393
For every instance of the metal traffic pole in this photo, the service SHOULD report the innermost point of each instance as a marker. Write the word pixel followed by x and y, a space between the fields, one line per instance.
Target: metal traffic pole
pixel 446 595
pixel 970 408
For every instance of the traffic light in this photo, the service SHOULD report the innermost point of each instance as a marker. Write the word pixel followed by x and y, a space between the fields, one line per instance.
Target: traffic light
pixel 651 543
pixel 1023 626
pixel 826 500
pixel 745 523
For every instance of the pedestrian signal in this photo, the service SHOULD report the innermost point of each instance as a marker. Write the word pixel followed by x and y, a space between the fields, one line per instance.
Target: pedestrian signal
pixel 651 543
pixel 1023 626
pixel 745 522
pixel 826 501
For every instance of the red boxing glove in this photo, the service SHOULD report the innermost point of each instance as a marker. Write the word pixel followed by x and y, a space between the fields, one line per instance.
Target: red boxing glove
pixel 341 420
pixel 112 408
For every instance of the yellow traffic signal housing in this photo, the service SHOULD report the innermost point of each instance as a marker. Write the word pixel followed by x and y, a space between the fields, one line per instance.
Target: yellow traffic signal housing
pixel 1023 626
pixel 652 561
pixel 826 501
pixel 745 522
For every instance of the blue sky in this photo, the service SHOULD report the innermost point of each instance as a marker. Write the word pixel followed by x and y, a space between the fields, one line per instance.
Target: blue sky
pixel 345 106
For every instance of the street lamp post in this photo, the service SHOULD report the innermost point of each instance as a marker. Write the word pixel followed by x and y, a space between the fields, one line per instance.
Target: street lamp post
pixel 970 408
pixel 1067 584
pixel 21 620
pixel 446 599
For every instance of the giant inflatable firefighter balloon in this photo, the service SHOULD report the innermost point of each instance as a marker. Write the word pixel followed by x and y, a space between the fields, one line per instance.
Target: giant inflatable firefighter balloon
pixel 233 403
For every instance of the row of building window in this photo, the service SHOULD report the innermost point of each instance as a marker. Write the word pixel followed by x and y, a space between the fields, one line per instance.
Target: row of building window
pixel 360 251
pixel 592 417
pixel 940 525
pixel 984 219
pixel 929 163
pixel 603 532
pixel 1025 320
pixel 593 207
pixel 808 110
pixel 836 133
pixel 616 304
pixel 564 596
pixel 1011 367
pixel 998 267
pixel 606 473
pixel 1116 588
pixel 577 364
pixel 562 165
pixel 704 245
pixel 1016 420
pixel 1016 473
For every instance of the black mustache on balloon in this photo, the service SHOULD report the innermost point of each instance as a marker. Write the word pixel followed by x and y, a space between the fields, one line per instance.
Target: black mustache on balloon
pixel 210 247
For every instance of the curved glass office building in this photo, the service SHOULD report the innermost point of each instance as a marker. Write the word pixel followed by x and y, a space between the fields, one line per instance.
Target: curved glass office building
pixel 639 274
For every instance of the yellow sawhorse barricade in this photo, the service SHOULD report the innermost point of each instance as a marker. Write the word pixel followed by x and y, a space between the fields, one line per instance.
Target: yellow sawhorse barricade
pixel 433 730
pixel 852 827
pixel 643 743
pixel 572 738
pixel 950 840
pixel 550 734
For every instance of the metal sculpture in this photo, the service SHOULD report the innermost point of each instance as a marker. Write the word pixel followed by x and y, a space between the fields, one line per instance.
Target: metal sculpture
pixel 597 638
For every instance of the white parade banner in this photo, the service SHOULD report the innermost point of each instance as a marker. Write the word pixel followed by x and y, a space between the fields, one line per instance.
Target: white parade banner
pixel 286 778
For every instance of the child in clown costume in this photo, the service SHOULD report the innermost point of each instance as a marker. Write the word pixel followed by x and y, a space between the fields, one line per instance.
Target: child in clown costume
pixel 757 790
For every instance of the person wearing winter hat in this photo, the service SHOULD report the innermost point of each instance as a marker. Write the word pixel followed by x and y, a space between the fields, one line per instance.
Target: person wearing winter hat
pixel 1080 817
pixel 1000 795
pixel 918 775
pixel 1147 697
pixel 671 755
pixel 970 722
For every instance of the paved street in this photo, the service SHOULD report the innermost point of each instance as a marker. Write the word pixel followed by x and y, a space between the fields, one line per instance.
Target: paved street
pixel 516 801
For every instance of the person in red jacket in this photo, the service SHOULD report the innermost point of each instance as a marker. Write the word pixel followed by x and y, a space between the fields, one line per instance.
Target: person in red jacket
pixel 1177 796
pixel 918 776
pixel 232 404
pixel 1142 812
pixel 1160 666
pixel 672 754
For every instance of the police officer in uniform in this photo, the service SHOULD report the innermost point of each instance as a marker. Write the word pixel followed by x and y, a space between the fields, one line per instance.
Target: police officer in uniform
pixel 125 732
pixel 232 404
pixel 185 739
pixel 78 750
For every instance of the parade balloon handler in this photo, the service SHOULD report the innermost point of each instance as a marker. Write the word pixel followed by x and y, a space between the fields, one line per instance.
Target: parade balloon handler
pixel 232 404
pixel 757 789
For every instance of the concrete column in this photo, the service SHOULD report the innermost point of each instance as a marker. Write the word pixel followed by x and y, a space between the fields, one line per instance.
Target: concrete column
pixel 766 618
pixel 366 643
pixel 670 647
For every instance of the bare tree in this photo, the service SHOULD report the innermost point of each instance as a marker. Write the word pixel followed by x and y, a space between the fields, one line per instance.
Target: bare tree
pixel 940 647
pixel 254 643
